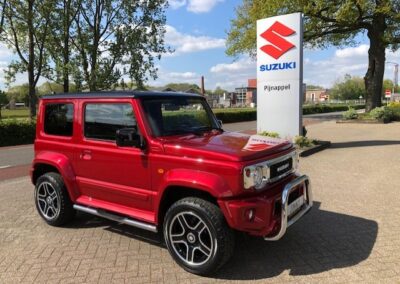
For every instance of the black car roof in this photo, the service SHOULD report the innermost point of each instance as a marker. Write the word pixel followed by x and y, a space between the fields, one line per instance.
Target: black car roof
pixel 118 94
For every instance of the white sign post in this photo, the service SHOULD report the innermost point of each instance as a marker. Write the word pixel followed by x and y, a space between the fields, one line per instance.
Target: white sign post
pixel 280 75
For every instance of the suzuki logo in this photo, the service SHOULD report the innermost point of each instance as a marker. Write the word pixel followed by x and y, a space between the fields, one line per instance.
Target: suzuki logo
pixel 274 34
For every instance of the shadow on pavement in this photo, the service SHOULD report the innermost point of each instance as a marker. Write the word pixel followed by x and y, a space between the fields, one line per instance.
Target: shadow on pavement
pixel 352 144
pixel 321 241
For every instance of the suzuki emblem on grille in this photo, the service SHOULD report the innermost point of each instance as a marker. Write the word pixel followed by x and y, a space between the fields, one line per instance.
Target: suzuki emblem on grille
pixel 275 35
pixel 284 167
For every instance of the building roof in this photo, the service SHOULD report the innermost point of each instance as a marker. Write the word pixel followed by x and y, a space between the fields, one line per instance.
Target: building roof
pixel 118 94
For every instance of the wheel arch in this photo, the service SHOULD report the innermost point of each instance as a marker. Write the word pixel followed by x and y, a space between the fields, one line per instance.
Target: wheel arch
pixel 54 162
pixel 174 193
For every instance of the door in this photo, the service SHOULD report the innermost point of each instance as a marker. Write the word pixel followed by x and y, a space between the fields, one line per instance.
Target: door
pixel 108 176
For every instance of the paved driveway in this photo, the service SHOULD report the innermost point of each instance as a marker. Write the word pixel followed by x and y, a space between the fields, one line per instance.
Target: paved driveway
pixel 351 236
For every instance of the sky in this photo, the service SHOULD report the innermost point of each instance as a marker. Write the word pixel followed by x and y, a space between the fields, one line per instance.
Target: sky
pixel 197 30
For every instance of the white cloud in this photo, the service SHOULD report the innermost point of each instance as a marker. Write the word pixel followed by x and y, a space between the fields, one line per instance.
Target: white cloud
pixel 351 60
pixel 166 76
pixel 350 52
pixel 176 4
pixel 243 64
pixel 232 75
pixel 186 43
pixel 184 75
pixel 194 6
pixel 201 6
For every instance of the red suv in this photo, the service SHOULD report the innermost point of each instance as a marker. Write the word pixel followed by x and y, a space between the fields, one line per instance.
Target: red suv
pixel 162 162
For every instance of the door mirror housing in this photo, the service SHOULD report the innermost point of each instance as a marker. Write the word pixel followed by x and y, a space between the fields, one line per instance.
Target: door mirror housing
pixel 129 137
pixel 220 123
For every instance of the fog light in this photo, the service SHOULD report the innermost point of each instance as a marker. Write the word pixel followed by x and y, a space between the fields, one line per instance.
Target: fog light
pixel 250 213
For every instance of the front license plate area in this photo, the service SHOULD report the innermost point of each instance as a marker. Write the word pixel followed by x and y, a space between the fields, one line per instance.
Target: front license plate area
pixel 295 206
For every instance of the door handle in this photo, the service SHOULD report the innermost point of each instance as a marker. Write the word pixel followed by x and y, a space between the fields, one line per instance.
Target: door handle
pixel 86 155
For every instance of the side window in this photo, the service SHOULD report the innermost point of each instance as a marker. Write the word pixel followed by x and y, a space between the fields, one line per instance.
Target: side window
pixel 58 119
pixel 103 120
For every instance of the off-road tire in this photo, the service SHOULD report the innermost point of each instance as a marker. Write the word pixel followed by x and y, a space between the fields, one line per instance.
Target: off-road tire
pixel 65 210
pixel 218 229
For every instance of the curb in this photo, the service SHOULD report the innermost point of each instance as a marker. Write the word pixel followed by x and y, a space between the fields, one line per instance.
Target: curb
pixel 15 147
pixel 362 121
pixel 322 145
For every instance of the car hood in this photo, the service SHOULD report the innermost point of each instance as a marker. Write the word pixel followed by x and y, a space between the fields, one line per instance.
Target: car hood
pixel 231 146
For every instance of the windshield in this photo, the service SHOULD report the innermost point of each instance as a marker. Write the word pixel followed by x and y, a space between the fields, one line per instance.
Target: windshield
pixel 179 115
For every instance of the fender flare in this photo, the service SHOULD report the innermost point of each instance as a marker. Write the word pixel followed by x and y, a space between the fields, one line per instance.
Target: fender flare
pixel 63 164
pixel 207 182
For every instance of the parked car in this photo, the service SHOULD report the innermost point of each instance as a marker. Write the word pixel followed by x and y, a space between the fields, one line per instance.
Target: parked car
pixel 162 162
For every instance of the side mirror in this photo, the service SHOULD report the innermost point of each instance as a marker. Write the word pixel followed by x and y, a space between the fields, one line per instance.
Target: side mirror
pixel 220 123
pixel 128 137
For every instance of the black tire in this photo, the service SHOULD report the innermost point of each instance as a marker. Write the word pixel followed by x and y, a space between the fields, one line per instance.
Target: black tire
pixel 52 200
pixel 196 249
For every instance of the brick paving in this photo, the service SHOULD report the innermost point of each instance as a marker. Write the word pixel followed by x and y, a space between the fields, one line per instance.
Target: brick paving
pixel 351 236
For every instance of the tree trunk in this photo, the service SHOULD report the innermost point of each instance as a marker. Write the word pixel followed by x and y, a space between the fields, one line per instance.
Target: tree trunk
pixel 376 66
pixel 66 46
pixel 31 62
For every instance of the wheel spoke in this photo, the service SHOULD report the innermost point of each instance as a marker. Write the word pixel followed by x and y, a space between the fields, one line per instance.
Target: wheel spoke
pixel 178 238
pixel 190 253
pixel 190 238
pixel 41 194
pixel 46 209
pixel 199 227
pixel 204 249
pixel 183 223
pixel 46 187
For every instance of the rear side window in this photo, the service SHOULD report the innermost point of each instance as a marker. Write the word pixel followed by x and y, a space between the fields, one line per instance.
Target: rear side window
pixel 58 119
pixel 103 120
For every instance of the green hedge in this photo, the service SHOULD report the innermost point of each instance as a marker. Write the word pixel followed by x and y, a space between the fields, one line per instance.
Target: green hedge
pixel 17 132
pixel 237 115
pixel 322 108
pixel 248 114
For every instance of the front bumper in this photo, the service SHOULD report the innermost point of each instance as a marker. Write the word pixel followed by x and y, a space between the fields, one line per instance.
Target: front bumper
pixel 270 209
pixel 285 221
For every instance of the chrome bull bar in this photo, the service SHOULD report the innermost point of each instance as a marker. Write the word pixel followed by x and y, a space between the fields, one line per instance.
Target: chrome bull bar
pixel 285 221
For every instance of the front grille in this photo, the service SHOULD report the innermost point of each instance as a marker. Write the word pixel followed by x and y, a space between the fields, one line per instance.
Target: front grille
pixel 281 168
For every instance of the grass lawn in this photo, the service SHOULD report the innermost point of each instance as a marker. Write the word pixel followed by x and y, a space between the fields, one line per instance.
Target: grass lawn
pixel 14 113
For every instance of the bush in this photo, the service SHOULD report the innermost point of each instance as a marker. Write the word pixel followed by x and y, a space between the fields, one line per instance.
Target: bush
pixel 17 132
pixel 303 141
pixel 351 113
pixel 394 107
pixel 270 134
pixel 383 112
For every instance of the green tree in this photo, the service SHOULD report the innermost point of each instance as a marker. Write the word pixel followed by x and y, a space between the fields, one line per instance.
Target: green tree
pixel 327 23
pixel 388 85
pixel 219 91
pixel 19 93
pixel 182 87
pixel 59 44
pixel 25 30
pixel 2 14
pixel 123 84
pixel 3 100
pixel 115 38
pixel 314 87
pixel 350 88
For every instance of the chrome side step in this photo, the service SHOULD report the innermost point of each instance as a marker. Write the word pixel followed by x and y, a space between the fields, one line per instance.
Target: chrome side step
pixel 117 218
